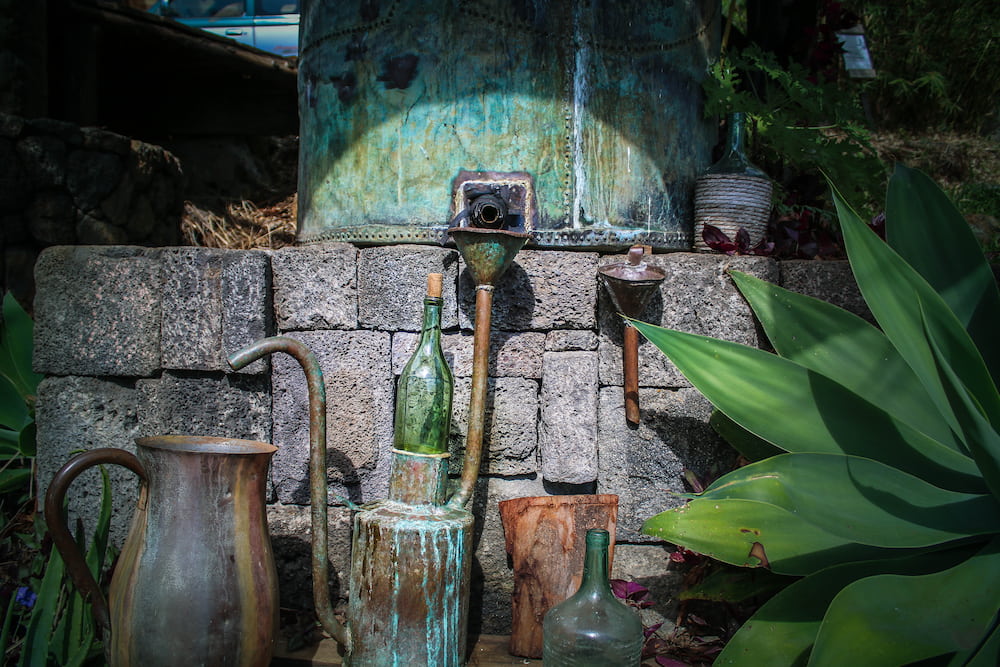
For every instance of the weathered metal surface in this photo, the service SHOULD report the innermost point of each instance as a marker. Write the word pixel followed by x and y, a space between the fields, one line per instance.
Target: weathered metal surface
pixel 317 467
pixel 488 253
pixel 409 590
pixel 630 285
pixel 418 479
pixel 195 583
pixel 599 100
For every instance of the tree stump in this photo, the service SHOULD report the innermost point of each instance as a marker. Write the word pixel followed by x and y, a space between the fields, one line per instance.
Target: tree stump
pixel 546 540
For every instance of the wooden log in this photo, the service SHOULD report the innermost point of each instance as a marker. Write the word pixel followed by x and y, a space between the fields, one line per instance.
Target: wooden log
pixel 546 540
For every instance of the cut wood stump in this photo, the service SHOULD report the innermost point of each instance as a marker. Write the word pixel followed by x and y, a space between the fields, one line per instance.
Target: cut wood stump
pixel 546 540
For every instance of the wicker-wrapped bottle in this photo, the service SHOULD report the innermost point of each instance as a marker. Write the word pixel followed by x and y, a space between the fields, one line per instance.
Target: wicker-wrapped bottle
pixel 732 193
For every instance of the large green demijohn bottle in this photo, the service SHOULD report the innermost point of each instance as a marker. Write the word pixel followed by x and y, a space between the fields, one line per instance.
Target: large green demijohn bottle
pixel 426 385
pixel 592 628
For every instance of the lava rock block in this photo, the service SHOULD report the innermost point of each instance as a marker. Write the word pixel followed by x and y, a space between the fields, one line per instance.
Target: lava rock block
pixel 97 311
pixel 315 287
pixel 567 430
pixel 82 413
pixel 392 283
pixel 359 392
pixel 644 466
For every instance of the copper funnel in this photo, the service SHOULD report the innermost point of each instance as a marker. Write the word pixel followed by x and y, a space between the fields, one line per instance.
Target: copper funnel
pixel 630 285
pixel 488 253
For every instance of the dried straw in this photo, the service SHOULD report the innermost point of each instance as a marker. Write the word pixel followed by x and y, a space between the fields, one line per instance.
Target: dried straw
pixel 241 225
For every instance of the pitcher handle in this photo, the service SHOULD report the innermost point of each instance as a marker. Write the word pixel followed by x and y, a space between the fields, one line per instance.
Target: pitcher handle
pixel 76 564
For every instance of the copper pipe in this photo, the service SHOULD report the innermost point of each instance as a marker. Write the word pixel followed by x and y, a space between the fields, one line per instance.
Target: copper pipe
pixel 477 402
pixel 317 468
pixel 630 364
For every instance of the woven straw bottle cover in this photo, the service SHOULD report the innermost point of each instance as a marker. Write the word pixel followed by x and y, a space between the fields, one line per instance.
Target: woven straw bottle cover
pixel 732 193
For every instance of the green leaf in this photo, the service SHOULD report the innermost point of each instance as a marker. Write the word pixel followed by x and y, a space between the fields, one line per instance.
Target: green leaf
pixel 899 298
pixel 35 650
pixel 875 504
pixel 781 633
pixel 746 443
pixel 895 619
pixel 13 410
pixel 8 619
pixel 99 543
pixel 927 231
pixel 16 344
pixel 800 410
pixel 981 437
pixel 733 584
pixel 988 655
pixel 13 479
pixel 749 533
pixel 846 349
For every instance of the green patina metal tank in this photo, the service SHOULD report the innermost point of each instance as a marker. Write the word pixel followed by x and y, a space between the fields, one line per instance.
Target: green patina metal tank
pixel 596 102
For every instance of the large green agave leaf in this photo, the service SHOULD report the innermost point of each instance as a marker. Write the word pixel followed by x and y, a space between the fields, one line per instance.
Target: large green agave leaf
pixel 982 438
pixel 782 632
pixel 860 500
pixel 899 298
pixel 889 620
pixel 927 231
pixel 15 348
pixel 988 655
pixel 743 441
pixel 846 349
pixel 800 410
pixel 750 533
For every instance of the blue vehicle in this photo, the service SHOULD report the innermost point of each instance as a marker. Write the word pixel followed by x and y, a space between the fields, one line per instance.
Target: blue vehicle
pixel 270 25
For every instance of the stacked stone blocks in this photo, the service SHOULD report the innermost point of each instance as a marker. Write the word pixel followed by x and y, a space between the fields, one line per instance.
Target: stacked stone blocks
pixel 133 342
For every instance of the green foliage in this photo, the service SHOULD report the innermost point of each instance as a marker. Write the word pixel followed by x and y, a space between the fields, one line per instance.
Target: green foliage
pixel 935 62
pixel 805 126
pixel 886 494
pixel 58 628
pixel 46 622
pixel 18 384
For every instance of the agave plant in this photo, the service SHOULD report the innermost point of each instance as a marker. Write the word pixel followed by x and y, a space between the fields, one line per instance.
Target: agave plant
pixel 884 493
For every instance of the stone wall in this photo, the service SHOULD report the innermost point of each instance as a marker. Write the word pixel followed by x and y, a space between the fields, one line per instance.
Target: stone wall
pixel 133 342
pixel 63 184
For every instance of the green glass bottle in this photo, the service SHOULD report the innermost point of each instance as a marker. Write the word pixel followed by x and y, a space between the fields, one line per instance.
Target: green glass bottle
pixel 425 387
pixel 735 160
pixel 592 628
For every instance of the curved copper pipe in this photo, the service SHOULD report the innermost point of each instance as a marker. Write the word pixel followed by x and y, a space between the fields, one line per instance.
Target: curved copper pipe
pixel 477 402
pixel 317 468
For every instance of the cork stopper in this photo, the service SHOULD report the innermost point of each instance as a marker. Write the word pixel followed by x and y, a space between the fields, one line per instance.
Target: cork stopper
pixel 434 281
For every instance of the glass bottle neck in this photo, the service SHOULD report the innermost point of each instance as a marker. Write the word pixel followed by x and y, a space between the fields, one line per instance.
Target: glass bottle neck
pixel 432 319
pixel 735 160
pixel 736 135
pixel 595 562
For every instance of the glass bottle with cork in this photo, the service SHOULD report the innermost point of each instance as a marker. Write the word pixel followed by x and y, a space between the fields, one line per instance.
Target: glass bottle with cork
pixel 423 411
